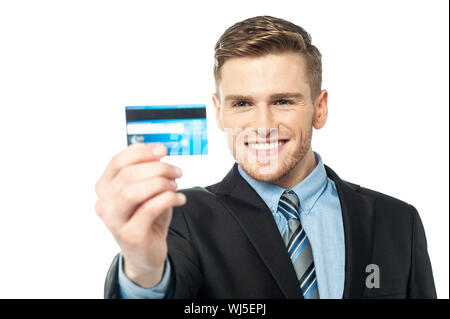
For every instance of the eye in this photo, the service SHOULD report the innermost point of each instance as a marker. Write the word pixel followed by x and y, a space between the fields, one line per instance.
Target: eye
pixel 283 102
pixel 240 104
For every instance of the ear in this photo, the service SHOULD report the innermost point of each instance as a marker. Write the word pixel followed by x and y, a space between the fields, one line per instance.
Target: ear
pixel 320 110
pixel 218 115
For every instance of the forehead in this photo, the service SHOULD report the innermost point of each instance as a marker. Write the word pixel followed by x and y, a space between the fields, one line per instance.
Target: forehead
pixel 272 73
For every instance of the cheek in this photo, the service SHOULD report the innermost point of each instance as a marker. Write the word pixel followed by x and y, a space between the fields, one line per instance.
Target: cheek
pixel 234 120
pixel 235 138
pixel 298 121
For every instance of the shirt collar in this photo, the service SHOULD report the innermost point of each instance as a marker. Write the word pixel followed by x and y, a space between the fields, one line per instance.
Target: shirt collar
pixel 308 190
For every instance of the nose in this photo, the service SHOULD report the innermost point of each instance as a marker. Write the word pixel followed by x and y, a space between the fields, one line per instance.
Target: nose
pixel 265 123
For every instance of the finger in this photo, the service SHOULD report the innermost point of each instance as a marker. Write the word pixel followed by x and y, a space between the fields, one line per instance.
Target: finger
pixel 136 194
pixel 140 172
pixel 126 202
pixel 133 154
pixel 149 211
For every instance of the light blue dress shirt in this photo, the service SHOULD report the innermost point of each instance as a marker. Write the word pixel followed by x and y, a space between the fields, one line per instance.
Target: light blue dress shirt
pixel 321 217
pixel 130 290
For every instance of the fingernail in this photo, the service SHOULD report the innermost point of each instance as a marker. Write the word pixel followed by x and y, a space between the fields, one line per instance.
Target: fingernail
pixel 178 172
pixel 173 184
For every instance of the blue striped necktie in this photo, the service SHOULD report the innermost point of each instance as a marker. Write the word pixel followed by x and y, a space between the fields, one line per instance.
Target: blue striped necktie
pixel 298 245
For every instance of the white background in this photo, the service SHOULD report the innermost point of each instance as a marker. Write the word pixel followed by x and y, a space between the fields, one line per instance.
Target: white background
pixel 68 69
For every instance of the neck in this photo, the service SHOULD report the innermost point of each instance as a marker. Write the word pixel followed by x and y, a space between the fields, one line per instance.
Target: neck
pixel 300 171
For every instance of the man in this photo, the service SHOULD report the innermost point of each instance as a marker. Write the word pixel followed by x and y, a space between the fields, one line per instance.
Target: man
pixel 281 224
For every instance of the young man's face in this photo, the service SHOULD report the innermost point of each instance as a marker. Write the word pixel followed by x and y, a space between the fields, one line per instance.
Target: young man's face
pixel 264 106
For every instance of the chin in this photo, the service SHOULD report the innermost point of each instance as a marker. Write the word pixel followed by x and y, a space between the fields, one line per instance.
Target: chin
pixel 272 171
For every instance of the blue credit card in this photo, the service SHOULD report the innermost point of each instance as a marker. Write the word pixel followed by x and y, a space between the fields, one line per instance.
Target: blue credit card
pixel 181 128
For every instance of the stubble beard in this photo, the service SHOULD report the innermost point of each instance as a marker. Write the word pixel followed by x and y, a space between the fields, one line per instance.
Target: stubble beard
pixel 284 166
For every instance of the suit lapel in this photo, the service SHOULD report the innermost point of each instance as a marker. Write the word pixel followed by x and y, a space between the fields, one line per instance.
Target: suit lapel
pixel 358 215
pixel 258 223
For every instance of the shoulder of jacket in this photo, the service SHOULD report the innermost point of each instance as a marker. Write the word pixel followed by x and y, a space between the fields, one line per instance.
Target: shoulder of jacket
pixel 387 204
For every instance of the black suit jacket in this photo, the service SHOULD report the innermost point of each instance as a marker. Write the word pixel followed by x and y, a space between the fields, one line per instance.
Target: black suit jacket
pixel 224 243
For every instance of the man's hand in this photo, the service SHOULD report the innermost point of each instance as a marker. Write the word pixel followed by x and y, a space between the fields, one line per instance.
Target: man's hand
pixel 136 194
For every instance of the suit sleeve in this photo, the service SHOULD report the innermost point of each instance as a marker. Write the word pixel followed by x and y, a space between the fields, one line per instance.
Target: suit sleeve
pixel 421 282
pixel 185 262
pixel 112 290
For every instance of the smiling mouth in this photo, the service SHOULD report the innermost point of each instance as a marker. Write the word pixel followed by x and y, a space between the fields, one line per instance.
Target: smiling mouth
pixel 263 146
pixel 267 147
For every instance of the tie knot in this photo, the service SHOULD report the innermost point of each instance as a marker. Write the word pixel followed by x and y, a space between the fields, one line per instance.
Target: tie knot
pixel 289 205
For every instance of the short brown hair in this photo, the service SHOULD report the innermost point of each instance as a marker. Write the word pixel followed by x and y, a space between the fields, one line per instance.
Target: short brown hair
pixel 263 35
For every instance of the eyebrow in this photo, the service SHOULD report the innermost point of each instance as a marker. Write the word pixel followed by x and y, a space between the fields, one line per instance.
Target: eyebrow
pixel 234 97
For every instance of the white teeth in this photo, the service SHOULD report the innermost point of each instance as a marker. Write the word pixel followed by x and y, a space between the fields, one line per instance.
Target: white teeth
pixel 265 146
